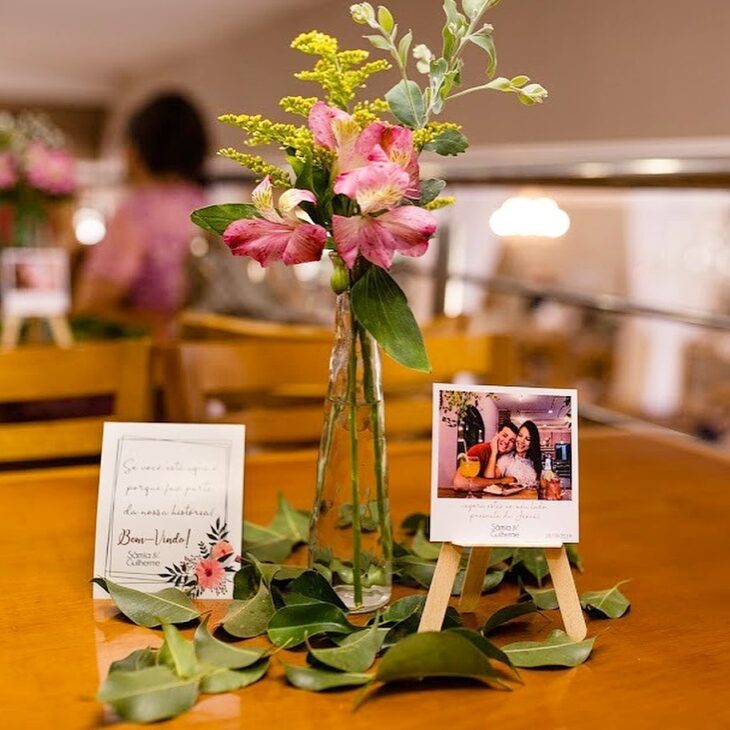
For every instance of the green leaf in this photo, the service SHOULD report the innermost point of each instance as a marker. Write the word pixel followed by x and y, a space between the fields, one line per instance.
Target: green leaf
pixel 313 585
pixel 245 582
pixel 534 562
pixel 484 645
pixel 139 659
pixel 423 548
pixel 411 523
pixel 449 142
pixel 354 655
pixel 431 189
pixel 148 695
pixel 492 579
pixel 219 653
pixel 178 653
pixel 543 598
pixel 485 41
pixel 434 654
pixel 170 605
pixel 405 101
pixel 266 544
pixel 404 46
pixel 519 81
pixel 270 572
pixel 385 19
pixel 220 679
pixel 317 680
pixel 611 603
pixel 508 613
pixel 574 556
pixel 249 618
pixel 558 650
pixel 473 7
pixel 290 522
pixel 291 625
pixel 401 609
pixel 381 307
pixel 500 555
pixel 416 569
pixel 452 13
pixel 216 218
pixel 379 42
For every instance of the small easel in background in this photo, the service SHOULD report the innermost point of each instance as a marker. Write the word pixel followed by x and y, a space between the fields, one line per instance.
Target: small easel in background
pixel 437 600
pixel 35 286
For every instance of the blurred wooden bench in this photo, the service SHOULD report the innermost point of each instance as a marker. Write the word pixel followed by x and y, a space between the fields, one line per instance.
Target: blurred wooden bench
pixel 277 388
pixel 63 381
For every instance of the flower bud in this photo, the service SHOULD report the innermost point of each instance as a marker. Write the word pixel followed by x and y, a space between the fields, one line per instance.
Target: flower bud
pixel 363 13
pixel 340 278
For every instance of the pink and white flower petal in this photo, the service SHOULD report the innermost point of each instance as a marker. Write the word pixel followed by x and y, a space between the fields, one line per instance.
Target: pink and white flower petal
pixel 411 228
pixel 360 235
pixel 306 243
pixel 290 199
pixel 263 199
pixel 377 186
pixel 320 121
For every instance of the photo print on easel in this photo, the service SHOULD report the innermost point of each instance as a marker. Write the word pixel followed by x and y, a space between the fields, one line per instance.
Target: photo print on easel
pixel 504 466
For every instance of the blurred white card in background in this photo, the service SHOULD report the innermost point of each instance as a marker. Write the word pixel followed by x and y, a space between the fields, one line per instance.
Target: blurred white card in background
pixel 170 507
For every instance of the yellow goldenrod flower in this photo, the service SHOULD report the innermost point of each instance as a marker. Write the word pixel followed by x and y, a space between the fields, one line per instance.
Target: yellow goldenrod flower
pixel 441 202
pixel 258 166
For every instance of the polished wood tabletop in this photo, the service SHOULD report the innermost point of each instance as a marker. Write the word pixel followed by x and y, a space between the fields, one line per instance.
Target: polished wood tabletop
pixel 653 509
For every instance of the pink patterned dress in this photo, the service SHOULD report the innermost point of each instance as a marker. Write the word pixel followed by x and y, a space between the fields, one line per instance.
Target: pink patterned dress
pixel 146 245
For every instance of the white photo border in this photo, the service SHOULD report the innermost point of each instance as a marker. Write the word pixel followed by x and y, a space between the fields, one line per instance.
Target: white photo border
pixel 481 522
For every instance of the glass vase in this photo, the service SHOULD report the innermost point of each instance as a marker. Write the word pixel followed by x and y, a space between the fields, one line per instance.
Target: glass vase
pixel 350 532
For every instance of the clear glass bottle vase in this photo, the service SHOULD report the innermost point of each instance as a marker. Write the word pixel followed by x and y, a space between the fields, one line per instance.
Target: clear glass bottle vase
pixel 350 533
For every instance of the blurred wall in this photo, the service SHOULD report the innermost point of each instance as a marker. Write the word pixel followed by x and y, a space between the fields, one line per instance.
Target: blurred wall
pixel 617 70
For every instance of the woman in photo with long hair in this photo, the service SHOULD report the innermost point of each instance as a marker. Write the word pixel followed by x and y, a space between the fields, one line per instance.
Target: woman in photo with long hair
pixel 524 463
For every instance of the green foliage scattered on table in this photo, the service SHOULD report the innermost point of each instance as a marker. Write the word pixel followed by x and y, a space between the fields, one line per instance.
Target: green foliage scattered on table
pixel 296 606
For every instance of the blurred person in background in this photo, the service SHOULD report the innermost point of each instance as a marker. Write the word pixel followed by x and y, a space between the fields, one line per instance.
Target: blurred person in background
pixel 136 274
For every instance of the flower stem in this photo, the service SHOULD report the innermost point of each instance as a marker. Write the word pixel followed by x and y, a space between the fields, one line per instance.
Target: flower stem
pixel 354 462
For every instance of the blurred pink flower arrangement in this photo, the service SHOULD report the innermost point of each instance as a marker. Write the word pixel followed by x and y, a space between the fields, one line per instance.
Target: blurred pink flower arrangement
pixel 35 169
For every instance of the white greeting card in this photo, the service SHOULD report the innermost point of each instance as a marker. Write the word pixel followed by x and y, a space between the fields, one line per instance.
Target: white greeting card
pixel 170 507
pixel 504 468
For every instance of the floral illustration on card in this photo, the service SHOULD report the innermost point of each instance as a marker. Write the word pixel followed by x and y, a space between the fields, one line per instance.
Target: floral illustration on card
pixel 206 571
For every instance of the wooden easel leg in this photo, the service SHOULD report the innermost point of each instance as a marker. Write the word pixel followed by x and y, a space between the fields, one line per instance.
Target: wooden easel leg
pixel 566 593
pixel 437 599
pixel 60 331
pixel 11 331
pixel 476 569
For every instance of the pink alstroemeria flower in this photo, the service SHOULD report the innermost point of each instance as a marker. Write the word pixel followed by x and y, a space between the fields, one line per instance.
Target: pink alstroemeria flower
pixel 8 171
pixel 376 186
pixel 406 229
pixel 381 142
pixel 337 131
pixel 51 170
pixel 286 234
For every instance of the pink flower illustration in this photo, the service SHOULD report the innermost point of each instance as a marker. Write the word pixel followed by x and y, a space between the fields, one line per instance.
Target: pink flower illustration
pixel 8 170
pixel 221 549
pixel 287 234
pixel 406 229
pixel 52 171
pixel 209 573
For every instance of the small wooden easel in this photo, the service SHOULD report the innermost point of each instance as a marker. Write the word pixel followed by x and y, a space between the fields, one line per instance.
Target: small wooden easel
pixel 58 324
pixel 447 567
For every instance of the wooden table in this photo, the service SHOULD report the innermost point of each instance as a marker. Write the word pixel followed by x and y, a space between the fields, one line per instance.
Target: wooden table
pixel 653 510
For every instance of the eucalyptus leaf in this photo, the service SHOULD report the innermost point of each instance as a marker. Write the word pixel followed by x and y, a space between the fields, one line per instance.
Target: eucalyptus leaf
pixel 139 659
pixel 401 609
pixel 170 605
pixel 431 189
pixel 245 582
pixel 291 625
pixel 500 555
pixel 216 218
pixel 508 613
pixel 448 142
pixel 610 603
pixel 381 307
pixel 317 680
pixel 178 653
pixel 219 653
pixel 434 654
pixel 266 544
pixel 485 646
pixel 221 679
pixel 405 101
pixel 245 619
pixel 574 556
pixel 411 523
pixel 355 655
pixel 271 572
pixel 290 522
pixel 423 548
pixel 410 626
pixel 543 598
pixel 149 694
pixel 416 569
pixel 558 650
pixel 313 585
pixel 534 562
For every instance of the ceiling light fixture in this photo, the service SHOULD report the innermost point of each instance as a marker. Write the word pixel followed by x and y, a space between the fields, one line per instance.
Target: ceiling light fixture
pixel 523 216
